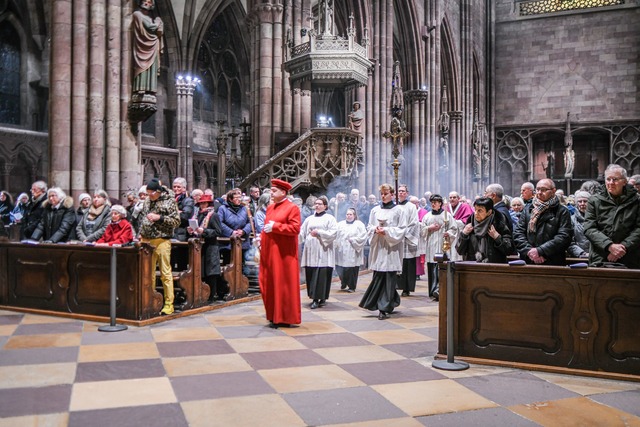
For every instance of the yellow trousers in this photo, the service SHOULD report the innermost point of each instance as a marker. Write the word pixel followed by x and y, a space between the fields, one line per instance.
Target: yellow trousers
pixel 162 256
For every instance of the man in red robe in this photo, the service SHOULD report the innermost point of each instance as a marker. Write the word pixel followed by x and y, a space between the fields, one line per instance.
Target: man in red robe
pixel 279 275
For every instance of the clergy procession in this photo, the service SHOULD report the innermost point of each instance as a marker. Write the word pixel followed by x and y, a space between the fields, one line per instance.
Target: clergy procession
pixel 398 237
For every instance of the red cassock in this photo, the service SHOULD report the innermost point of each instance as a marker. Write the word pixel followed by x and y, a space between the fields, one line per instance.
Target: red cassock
pixel 279 275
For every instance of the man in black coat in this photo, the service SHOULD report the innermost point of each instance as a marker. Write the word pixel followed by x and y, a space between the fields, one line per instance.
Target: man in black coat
pixel 496 193
pixel 544 231
pixel 34 210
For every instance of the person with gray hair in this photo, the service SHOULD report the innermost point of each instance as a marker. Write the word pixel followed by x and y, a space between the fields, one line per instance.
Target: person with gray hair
pixel 527 192
pixel 496 193
pixel 592 187
pixel 580 245
pixel 96 219
pixel 58 218
pixel 612 221
pixel 186 208
pixel 34 210
pixel 635 181
pixel 261 212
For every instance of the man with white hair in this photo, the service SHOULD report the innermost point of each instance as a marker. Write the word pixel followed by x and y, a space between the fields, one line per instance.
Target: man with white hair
pixel 34 210
pixel 185 207
pixel 496 193
pixel 612 221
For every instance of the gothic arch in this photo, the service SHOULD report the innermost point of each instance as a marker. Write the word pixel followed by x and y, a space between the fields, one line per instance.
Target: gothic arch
pixel 408 44
pixel 450 74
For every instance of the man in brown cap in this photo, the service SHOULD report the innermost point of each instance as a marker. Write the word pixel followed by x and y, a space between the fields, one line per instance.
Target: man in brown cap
pixel 279 275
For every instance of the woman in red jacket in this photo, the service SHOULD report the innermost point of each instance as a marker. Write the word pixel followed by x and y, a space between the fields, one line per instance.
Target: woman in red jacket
pixel 119 232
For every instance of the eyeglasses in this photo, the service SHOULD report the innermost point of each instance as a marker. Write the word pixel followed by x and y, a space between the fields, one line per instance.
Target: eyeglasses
pixel 613 179
pixel 543 190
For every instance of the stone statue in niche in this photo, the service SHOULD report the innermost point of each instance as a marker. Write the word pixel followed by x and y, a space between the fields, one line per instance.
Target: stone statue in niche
pixel 476 147
pixel 356 117
pixel 569 155
pixel 443 149
pixel 569 162
pixel 486 158
pixel 147 48
pixel 550 166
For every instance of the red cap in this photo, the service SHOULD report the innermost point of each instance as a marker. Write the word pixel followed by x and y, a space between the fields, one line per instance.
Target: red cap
pixel 284 185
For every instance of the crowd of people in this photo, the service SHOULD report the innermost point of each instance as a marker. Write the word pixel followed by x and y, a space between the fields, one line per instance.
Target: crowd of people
pixel 395 237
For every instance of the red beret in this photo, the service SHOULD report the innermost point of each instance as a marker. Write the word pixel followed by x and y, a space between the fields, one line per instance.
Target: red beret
pixel 284 185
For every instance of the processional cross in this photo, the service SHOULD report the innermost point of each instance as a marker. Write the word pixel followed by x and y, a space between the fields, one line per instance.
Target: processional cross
pixel 398 129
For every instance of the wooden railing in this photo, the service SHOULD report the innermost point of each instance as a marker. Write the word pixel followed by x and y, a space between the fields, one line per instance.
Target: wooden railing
pixel 75 279
pixel 556 318
pixel 316 158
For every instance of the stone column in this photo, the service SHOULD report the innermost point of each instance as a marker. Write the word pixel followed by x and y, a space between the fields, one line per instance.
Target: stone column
pixel 185 86
pixel 80 93
pixel 112 98
pixel 130 149
pixel 96 111
pixel 61 93
pixel 456 140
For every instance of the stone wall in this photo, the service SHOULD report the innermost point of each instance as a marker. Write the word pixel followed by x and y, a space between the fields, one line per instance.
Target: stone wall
pixel 582 62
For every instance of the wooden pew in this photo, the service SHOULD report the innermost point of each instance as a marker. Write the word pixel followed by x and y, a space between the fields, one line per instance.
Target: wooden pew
pixel 76 279
pixel 552 318
pixel 189 279
pixel 232 272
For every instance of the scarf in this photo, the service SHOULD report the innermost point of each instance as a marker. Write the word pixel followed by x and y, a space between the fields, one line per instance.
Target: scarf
pixel 480 230
pixel 205 221
pixel 233 207
pixel 95 212
pixel 539 208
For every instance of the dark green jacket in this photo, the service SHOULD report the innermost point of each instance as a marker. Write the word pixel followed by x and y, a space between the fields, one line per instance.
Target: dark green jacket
pixel 609 221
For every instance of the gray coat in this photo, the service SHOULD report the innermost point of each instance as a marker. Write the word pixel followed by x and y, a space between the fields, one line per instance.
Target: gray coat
pixel 102 221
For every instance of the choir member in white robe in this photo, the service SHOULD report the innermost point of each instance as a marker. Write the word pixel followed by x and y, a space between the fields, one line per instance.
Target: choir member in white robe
pixel 349 247
pixel 435 225
pixel 387 224
pixel 318 233
pixel 407 280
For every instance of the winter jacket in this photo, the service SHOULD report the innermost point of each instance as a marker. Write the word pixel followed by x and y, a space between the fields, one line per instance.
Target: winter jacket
pixel 32 216
pixel 99 226
pixel 609 221
pixel 497 249
pixel 167 208
pixel 552 236
pixel 118 233
pixel 210 249
pixel 186 207
pixel 580 245
pixel 235 218
pixel 56 224
pixel 5 211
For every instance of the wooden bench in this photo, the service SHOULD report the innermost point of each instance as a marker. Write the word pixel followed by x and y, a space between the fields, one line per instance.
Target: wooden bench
pixel 551 318
pixel 75 279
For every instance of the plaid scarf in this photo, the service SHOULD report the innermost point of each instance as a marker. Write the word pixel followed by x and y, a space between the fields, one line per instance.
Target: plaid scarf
pixel 539 208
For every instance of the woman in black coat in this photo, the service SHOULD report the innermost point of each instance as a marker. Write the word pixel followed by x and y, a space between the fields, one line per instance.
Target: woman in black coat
pixel 485 237
pixel 6 206
pixel 209 229
pixel 58 218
